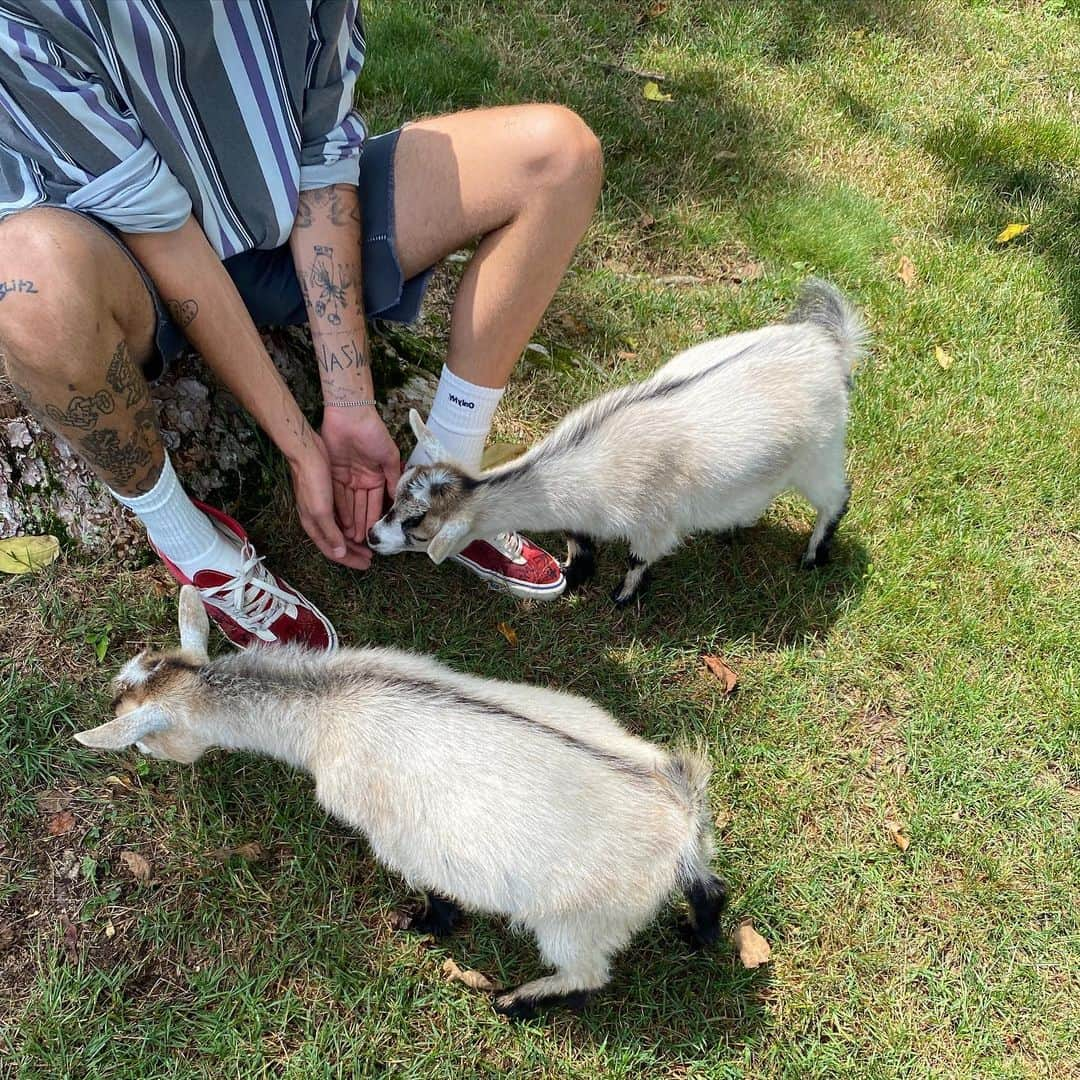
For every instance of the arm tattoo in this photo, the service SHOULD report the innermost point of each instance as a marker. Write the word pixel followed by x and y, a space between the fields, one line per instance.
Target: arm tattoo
pixel 182 312
pixel 16 285
pixel 329 201
pixel 347 357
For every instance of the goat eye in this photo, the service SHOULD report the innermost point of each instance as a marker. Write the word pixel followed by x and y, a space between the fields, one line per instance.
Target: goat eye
pixel 412 522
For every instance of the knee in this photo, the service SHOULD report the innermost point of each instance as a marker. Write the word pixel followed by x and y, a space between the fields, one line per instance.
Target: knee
pixel 564 154
pixel 51 288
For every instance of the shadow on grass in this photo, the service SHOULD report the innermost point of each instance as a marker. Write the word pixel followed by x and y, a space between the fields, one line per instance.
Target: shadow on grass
pixel 1026 171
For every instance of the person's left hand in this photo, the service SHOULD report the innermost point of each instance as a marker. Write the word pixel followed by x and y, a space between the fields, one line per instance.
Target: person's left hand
pixel 364 464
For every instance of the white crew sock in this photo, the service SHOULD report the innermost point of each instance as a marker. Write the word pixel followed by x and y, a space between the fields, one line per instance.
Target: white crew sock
pixel 179 529
pixel 460 419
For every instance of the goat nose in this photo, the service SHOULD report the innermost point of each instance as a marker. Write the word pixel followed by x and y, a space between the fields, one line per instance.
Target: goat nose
pixel 372 537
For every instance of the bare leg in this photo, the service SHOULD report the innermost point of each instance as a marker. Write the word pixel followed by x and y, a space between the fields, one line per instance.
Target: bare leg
pixel 73 346
pixel 524 178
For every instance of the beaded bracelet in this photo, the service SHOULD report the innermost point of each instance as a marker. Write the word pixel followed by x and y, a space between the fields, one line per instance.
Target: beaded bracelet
pixel 349 404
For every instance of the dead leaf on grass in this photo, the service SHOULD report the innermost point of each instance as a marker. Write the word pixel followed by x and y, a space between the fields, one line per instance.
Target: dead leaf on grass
pixel 110 930
pixel 499 453
pixel 1011 232
pixel 508 632
pixel 626 355
pixel 943 358
pixel 724 673
pixel 71 935
pixel 651 92
pixel 475 980
pixel 53 800
pixel 754 950
pixel 722 820
pixel 906 272
pixel 26 554
pixel 726 155
pixel 646 221
pixel 137 866
pixel 250 852
pixel 60 823
pixel 897 834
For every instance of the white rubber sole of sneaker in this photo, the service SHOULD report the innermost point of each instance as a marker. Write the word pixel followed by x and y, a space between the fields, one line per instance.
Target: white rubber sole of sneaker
pixel 520 589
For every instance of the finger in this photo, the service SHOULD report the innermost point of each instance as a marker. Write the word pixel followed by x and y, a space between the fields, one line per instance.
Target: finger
pixel 333 539
pixel 344 505
pixel 392 470
pixel 360 525
pixel 374 507
pixel 355 556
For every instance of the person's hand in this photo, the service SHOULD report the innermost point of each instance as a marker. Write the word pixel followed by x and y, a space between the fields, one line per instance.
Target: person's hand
pixel 364 466
pixel 313 489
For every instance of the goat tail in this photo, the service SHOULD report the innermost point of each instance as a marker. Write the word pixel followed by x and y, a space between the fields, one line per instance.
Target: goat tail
pixel 688 772
pixel 824 305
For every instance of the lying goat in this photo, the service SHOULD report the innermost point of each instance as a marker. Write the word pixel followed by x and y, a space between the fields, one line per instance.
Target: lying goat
pixel 705 443
pixel 501 797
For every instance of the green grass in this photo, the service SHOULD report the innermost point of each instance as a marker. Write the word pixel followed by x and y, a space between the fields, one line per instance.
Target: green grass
pixel 929 676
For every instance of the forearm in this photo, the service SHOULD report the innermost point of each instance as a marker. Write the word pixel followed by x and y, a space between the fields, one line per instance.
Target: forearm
pixel 206 306
pixel 326 245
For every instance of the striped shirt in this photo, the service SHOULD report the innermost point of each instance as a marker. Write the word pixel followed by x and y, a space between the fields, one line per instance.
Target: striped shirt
pixel 141 113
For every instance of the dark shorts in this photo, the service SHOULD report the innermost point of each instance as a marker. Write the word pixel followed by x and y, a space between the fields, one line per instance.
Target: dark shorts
pixel 267 282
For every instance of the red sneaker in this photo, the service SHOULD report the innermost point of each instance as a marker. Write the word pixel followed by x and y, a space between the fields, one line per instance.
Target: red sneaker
pixel 253 606
pixel 511 562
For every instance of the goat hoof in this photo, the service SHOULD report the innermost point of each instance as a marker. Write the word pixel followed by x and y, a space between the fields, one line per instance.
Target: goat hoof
pixel 515 1008
pixel 437 917
pixel 697 940
pixel 578 572
pixel 814 562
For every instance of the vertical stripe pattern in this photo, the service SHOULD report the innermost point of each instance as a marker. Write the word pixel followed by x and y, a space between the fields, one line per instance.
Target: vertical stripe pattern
pixel 137 111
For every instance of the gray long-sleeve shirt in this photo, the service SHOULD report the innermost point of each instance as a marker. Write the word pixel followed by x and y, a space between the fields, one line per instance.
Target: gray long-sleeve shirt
pixel 141 112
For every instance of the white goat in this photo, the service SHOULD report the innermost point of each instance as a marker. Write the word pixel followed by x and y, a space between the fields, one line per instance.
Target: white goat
pixel 705 443
pixel 499 797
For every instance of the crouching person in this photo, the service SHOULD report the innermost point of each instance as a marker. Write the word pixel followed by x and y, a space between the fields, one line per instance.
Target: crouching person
pixel 143 205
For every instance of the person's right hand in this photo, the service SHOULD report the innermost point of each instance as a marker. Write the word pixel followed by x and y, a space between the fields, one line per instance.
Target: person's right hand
pixel 313 490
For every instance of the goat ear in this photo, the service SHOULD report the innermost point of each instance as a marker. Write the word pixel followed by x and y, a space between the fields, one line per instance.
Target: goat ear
pixel 125 730
pixel 427 442
pixel 194 624
pixel 449 540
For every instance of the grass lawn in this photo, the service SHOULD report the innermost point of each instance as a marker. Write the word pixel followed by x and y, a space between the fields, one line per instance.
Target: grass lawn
pixel 929 676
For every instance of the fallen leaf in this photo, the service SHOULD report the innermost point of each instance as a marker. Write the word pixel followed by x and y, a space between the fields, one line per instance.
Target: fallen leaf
pixel 897 834
pixel 25 554
pixel 110 930
pixel 250 852
pixel 508 632
pixel 651 92
pixel 118 781
pixel 71 934
pixel 747 271
pixel 657 9
pixel 60 823
pixel 625 355
pixel 726 155
pixel 753 949
pixel 498 453
pixel 53 800
pixel 906 271
pixel 722 819
pixel 1011 232
pixel 573 325
pixel 646 221
pixel 724 673
pixel 475 980
pixel 400 920
pixel 137 866
pixel 943 358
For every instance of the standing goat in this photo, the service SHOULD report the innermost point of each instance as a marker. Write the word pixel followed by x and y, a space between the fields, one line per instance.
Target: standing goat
pixel 706 443
pixel 499 797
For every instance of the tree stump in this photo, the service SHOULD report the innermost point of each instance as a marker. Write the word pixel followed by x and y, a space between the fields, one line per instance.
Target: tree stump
pixel 45 488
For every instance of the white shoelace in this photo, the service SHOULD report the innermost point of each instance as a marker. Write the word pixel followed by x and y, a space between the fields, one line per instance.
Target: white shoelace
pixel 251 597
pixel 510 545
